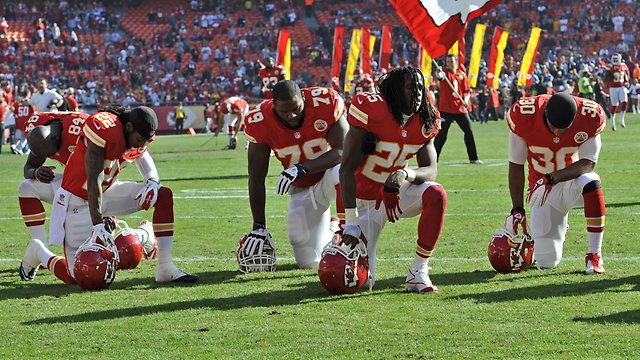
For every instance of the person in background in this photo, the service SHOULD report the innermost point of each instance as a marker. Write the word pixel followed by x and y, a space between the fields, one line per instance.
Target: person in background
pixel 453 106
pixel 179 119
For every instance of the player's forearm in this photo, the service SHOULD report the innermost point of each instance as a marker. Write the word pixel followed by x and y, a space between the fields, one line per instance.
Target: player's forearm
pixel 516 184
pixel 574 170
pixel 94 194
pixel 257 200
pixel 348 187
pixel 425 173
pixel 323 162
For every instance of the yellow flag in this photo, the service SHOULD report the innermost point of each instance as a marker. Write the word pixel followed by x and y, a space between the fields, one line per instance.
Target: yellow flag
pixel 354 53
pixel 526 70
pixel 476 55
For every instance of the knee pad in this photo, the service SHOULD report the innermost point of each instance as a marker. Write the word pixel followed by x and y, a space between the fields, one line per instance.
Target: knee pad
pixel 591 186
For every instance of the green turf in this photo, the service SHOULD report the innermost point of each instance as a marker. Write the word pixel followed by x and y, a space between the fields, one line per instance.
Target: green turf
pixel 287 314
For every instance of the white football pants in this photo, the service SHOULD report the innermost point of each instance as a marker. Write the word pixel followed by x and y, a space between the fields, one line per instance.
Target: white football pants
pixel 372 221
pixel 309 217
pixel 618 95
pixel 118 200
pixel 548 223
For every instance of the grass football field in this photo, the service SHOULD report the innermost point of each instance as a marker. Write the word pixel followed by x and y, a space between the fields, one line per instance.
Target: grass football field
pixel 287 314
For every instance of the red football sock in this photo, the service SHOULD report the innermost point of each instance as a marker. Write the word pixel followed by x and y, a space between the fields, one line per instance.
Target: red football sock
pixel 163 213
pixel 434 202
pixel 58 267
pixel 32 211
pixel 594 210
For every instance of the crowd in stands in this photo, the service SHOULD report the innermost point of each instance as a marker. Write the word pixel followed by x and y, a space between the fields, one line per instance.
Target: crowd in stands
pixel 202 50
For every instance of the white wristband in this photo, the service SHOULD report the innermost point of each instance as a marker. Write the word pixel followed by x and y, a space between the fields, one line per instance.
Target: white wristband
pixel 351 216
pixel 411 174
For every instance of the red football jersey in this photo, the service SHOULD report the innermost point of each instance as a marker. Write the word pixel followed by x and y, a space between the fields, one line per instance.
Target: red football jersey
pixel 22 112
pixel 271 77
pixel 547 152
pixel 106 131
pixel 234 105
pixel 72 123
pixel 363 85
pixel 323 107
pixel 449 103
pixel 618 75
pixel 396 144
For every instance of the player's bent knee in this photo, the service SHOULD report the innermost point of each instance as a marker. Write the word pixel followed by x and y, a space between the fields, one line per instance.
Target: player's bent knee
pixel 165 196
pixel 26 189
pixel 591 186
pixel 546 261
pixel 435 195
pixel 306 257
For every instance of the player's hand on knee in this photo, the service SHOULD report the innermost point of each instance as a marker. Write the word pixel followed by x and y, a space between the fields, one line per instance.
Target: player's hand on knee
pixel 391 199
pixel 44 174
pixel 148 196
pixel 538 195
pixel 288 176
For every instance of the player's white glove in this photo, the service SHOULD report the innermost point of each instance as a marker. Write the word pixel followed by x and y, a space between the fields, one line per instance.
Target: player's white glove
pixel 148 196
pixel 101 233
pixel 516 218
pixel 288 176
pixel 258 241
pixel 440 75
pixel 540 191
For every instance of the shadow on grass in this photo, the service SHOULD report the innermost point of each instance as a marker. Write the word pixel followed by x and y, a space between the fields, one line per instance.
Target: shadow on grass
pixel 296 293
pixel 553 290
pixel 620 205
pixel 32 289
pixel 625 317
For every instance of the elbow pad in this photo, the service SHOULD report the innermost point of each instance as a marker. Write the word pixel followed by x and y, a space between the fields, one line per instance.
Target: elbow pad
pixel 147 167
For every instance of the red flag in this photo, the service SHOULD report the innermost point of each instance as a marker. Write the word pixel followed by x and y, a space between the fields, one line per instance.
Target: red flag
pixel 385 47
pixel 498 44
pixel 438 24
pixel 338 40
pixel 365 54
pixel 462 49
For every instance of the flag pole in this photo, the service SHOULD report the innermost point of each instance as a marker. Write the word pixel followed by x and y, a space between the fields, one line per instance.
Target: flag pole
pixel 455 92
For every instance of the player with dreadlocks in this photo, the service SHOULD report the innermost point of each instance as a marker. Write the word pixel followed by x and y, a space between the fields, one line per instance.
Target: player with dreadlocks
pixel 386 130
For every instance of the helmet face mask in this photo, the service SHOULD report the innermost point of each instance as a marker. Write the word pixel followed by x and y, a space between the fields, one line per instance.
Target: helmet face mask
pixel 262 258
pixel 508 253
pixel 616 59
pixel 343 269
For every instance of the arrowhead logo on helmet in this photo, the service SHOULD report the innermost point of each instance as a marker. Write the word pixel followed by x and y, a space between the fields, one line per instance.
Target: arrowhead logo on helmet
pixel 95 265
pixel 343 269
pixel 508 254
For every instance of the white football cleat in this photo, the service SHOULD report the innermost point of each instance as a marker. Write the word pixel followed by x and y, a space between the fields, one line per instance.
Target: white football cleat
pixel 418 281
pixel 31 261
pixel 148 240
pixel 622 123
pixel 613 125
pixel 170 273
pixel 595 263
